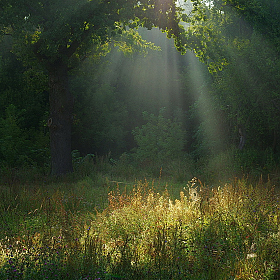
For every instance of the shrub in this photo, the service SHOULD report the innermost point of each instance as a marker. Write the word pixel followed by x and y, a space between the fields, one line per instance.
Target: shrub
pixel 19 146
pixel 160 139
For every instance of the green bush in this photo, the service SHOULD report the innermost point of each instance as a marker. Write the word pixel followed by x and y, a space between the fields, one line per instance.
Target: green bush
pixel 160 139
pixel 13 139
pixel 20 146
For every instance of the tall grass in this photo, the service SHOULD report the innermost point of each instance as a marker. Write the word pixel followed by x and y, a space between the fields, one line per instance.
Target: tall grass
pixel 99 229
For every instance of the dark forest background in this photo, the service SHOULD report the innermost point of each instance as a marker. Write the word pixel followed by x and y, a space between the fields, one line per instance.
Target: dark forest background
pixel 152 110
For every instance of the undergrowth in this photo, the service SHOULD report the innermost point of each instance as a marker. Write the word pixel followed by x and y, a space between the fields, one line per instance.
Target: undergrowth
pixel 227 232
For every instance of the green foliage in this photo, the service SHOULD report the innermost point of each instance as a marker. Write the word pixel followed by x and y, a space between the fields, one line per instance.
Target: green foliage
pixel 58 28
pixel 23 86
pixel 245 94
pixel 248 93
pixel 20 147
pixel 262 15
pixel 23 107
pixel 255 162
pixel 13 139
pixel 160 139
pixel 131 42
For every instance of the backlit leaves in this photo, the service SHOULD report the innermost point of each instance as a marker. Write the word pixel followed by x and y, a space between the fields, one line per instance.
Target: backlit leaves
pixel 58 29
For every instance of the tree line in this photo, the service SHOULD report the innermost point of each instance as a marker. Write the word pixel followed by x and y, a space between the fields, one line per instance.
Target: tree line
pixel 118 93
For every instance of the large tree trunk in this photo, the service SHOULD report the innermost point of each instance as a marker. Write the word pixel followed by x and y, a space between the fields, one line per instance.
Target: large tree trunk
pixel 60 121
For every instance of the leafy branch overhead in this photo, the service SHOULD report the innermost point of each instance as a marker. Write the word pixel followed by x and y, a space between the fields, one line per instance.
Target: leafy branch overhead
pixel 61 28
pixel 212 25
pixel 130 41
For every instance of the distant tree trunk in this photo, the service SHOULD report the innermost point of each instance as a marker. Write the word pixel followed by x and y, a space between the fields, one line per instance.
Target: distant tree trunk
pixel 242 138
pixel 60 121
pixel 274 144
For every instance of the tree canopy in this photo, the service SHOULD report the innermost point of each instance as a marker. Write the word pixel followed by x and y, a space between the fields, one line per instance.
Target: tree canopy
pixel 59 29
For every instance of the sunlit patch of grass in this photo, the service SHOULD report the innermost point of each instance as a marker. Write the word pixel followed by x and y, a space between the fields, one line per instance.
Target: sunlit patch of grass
pixel 151 236
pixel 137 232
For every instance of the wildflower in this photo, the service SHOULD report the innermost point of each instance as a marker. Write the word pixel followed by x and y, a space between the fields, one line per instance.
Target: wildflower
pixel 252 255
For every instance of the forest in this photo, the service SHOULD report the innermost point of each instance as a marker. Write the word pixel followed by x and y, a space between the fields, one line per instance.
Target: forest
pixel 153 105
pixel 139 139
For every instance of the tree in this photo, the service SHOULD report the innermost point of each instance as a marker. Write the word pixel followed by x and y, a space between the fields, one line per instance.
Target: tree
pixel 262 14
pixel 58 34
pixel 213 22
pixel 246 91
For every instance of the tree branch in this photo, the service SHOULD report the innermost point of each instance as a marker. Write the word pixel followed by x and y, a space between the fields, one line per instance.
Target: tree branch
pixel 32 9
pixel 69 51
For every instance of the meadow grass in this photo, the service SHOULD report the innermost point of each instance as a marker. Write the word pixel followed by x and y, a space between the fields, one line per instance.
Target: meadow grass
pixel 101 227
